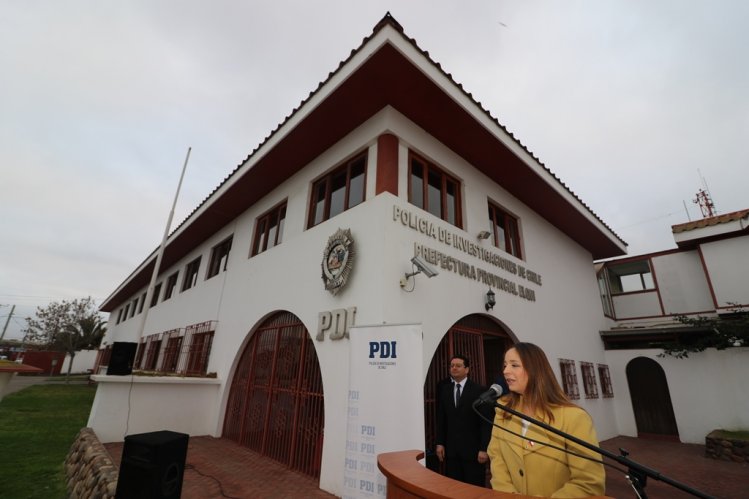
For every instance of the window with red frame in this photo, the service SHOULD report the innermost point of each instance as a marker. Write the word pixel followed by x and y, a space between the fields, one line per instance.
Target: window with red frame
pixel 589 380
pixel 338 191
pixel 433 190
pixel 171 354
pixel 152 355
pixel 269 229
pixel 171 283
pixel 156 292
pixel 219 258
pixel 191 274
pixel 199 351
pixel 569 379
pixel 605 376
pixel 139 354
pixel 505 230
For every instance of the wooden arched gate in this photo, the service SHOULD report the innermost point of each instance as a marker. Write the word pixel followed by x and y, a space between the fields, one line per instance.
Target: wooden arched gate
pixel 651 400
pixel 479 338
pixel 275 405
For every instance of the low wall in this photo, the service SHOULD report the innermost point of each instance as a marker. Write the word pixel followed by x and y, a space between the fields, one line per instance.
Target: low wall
pixel 89 469
pixel 726 449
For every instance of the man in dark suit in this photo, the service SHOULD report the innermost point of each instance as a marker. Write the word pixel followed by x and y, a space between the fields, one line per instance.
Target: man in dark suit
pixel 462 436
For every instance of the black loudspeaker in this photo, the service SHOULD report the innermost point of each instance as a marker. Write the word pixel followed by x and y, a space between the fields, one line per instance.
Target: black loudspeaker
pixel 121 360
pixel 152 466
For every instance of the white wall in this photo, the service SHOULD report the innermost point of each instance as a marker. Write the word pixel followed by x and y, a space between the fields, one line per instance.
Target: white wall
pixel 708 391
pixel 126 405
pixel 726 263
pixel 83 362
pixel 682 283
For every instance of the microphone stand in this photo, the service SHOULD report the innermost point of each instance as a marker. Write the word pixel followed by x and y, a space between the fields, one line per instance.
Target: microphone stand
pixel 638 473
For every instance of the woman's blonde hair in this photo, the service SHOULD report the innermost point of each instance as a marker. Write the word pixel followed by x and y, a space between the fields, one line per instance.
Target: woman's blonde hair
pixel 542 391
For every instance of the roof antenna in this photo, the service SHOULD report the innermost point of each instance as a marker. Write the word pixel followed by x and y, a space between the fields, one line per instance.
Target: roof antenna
pixel 705 200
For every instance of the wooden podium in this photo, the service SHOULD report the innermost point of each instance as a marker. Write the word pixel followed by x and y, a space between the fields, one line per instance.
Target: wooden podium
pixel 408 479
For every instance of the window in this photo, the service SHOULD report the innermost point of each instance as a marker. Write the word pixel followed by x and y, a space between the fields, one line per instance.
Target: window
pixel 606 388
pixel 219 258
pixel 135 307
pixel 191 274
pixel 156 292
pixel 338 191
pixel 589 380
pixel 142 302
pixel 505 230
pixel 124 315
pixel 119 317
pixel 434 191
pixel 199 351
pixel 171 283
pixel 171 351
pixel 630 276
pixel 569 379
pixel 139 354
pixel 269 229
pixel 153 343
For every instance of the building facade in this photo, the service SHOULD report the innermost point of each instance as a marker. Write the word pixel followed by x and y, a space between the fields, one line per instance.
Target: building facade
pixel 312 238
pixel 642 296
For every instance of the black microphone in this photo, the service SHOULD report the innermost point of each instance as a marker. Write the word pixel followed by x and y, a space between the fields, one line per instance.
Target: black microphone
pixel 492 394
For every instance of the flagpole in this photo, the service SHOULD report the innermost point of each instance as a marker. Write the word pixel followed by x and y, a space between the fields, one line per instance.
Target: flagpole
pixel 157 265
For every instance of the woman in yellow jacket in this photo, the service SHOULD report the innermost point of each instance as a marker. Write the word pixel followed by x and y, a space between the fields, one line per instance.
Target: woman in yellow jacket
pixel 521 466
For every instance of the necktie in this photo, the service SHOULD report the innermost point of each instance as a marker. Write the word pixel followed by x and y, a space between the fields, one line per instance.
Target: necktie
pixel 457 394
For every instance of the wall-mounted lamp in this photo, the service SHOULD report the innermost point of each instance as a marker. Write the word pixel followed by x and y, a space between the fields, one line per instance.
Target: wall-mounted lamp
pixel 422 267
pixel 484 234
pixel 490 301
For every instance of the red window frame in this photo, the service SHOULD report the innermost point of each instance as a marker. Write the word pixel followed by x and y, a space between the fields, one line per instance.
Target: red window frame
pixel 569 379
pixel 219 257
pixel 505 230
pixel 589 380
pixel 323 190
pixel 269 229
pixel 418 195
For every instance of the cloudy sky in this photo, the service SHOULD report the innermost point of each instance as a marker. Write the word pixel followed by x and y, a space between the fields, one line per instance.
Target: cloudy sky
pixel 634 104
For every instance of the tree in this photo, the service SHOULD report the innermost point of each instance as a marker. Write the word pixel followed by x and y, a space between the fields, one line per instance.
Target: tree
pixel 85 335
pixel 67 325
pixel 728 331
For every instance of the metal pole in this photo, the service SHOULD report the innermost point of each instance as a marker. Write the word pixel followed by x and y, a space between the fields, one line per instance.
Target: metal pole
pixel 7 322
pixel 155 274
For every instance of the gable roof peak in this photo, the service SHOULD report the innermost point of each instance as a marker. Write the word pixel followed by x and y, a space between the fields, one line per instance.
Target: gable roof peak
pixel 388 20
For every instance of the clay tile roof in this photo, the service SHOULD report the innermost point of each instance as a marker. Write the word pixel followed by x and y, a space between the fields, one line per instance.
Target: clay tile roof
pixel 706 222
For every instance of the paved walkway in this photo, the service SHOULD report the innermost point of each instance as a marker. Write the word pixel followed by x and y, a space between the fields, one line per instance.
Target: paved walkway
pixel 219 468
pixel 684 463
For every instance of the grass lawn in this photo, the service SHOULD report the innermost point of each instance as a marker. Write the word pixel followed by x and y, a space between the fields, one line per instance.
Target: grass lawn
pixel 37 428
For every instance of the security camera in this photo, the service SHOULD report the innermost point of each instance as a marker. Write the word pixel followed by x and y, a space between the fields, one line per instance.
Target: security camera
pixel 424 267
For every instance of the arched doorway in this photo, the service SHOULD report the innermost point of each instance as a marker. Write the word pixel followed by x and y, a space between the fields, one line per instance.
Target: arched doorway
pixel 651 400
pixel 483 341
pixel 275 405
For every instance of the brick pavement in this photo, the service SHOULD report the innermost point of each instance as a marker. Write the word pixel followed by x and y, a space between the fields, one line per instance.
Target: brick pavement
pixel 684 463
pixel 219 468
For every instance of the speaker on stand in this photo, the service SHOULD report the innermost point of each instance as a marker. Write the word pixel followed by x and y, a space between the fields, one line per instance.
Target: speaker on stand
pixel 152 466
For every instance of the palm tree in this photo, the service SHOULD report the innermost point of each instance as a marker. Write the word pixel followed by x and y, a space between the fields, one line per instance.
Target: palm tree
pixel 86 334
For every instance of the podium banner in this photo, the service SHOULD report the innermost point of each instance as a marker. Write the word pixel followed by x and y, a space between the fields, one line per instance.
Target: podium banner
pixel 385 403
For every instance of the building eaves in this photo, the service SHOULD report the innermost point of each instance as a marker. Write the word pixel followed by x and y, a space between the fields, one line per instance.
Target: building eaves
pixel 710 221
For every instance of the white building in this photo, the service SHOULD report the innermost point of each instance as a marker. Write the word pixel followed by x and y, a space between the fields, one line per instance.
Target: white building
pixel 387 159
pixel 707 276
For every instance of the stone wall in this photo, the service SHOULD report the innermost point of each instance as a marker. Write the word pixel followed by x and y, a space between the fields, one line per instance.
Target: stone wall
pixel 726 449
pixel 89 469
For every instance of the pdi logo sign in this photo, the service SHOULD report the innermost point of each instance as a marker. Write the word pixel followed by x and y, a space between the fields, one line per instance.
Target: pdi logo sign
pixel 383 349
